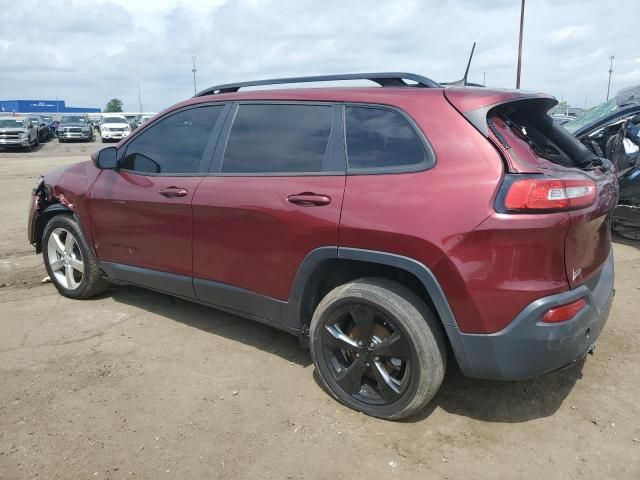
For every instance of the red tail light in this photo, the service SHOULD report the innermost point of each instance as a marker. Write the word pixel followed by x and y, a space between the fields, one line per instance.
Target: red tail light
pixel 542 193
pixel 565 312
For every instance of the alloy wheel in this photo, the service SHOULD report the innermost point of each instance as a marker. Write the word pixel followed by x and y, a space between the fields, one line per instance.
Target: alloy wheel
pixel 65 258
pixel 367 354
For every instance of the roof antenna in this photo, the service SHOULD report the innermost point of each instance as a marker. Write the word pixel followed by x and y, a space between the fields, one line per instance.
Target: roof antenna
pixel 463 81
pixel 466 72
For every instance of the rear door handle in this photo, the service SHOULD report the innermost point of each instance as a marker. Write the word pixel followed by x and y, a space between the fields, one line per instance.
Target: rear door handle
pixel 171 192
pixel 309 199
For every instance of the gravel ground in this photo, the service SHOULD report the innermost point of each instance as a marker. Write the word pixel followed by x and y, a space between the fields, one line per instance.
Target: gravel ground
pixel 136 384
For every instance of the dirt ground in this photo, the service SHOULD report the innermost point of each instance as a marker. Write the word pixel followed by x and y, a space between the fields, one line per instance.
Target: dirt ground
pixel 135 384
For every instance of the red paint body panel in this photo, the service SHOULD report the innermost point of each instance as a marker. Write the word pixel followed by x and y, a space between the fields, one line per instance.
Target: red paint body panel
pixel 248 235
pixel 242 231
pixel 488 274
pixel 503 265
pixel 70 186
pixel 589 239
pixel 133 224
pixel 466 99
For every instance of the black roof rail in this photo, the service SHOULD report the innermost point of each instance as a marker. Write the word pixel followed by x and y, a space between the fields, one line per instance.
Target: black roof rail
pixel 384 79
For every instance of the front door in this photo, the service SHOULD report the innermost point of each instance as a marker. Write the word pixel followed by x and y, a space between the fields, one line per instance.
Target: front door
pixel 141 212
pixel 274 195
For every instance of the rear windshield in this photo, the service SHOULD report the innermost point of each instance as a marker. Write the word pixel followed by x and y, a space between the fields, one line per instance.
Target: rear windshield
pixel 530 136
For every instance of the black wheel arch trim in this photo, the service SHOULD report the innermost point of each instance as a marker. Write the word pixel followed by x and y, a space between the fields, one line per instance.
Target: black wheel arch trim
pixel 294 310
pixel 421 271
pixel 44 217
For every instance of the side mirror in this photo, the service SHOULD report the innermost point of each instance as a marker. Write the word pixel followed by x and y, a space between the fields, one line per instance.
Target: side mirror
pixel 107 158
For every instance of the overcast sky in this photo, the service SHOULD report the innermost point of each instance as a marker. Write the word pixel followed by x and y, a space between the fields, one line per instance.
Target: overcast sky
pixel 86 52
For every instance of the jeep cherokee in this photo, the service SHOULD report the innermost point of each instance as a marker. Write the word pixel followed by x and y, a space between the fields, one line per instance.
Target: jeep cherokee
pixel 382 225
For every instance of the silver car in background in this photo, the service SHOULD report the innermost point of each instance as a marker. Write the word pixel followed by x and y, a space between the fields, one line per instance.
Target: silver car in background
pixel 18 132
pixel 74 127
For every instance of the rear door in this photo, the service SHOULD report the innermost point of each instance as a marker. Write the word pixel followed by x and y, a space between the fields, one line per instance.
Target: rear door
pixel 141 212
pixel 274 195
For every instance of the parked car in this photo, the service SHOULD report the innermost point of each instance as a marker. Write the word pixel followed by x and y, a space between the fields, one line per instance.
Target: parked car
pixel 382 226
pixel 41 127
pixel 146 118
pixel 18 132
pixel 561 119
pixel 611 130
pixel 51 126
pixel 114 127
pixel 74 127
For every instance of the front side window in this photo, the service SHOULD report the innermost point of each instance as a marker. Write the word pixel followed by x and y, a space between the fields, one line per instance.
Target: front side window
pixel 381 139
pixel 279 139
pixel 69 119
pixel 11 123
pixel 174 144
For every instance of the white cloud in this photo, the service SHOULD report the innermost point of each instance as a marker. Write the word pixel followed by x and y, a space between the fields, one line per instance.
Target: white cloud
pixel 571 33
pixel 89 51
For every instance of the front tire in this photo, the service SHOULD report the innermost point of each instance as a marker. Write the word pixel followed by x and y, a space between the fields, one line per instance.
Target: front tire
pixel 69 261
pixel 378 348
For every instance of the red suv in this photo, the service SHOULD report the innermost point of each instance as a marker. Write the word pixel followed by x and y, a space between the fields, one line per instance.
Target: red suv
pixel 382 225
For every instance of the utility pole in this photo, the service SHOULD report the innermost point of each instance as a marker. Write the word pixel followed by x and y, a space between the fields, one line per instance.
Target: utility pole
pixel 484 78
pixel 194 70
pixel 610 72
pixel 520 44
pixel 139 98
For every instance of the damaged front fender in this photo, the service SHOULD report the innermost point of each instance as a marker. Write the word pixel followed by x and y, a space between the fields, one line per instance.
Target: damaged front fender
pixel 43 206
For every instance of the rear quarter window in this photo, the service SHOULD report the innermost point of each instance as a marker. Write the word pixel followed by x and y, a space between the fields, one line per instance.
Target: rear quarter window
pixel 382 140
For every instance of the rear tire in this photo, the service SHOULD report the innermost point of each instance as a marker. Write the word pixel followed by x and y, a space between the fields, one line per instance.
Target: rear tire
pixel 378 348
pixel 70 263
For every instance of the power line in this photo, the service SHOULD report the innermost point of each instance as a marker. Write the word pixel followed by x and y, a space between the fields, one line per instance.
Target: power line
pixel 194 70
pixel 520 44
pixel 610 72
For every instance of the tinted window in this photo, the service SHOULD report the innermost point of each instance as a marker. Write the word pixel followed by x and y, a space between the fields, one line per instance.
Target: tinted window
pixel 378 138
pixel 174 144
pixel 278 139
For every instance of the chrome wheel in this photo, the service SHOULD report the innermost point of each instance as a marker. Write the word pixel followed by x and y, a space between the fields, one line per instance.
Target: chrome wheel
pixel 65 258
pixel 367 355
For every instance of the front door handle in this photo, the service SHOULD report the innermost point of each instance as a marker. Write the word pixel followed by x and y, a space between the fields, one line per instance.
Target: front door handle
pixel 309 199
pixel 172 192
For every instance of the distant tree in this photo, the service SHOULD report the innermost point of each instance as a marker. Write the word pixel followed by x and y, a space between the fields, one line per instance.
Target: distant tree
pixel 114 105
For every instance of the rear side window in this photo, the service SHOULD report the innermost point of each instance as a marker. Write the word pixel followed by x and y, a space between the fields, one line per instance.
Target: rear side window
pixel 279 139
pixel 174 144
pixel 381 139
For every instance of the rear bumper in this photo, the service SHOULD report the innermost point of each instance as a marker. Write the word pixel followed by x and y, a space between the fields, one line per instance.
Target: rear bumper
pixel 527 347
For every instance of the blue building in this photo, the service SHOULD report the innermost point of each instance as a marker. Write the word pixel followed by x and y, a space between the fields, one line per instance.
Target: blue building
pixel 42 106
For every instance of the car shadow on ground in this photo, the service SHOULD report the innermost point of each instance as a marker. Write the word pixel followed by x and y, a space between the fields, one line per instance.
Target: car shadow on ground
pixel 233 327
pixel 616 238
pixel 504 402
pixel 485 400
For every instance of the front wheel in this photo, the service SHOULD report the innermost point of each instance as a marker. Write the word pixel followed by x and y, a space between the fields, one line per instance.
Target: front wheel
pixel 69 261
pixel 378 348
